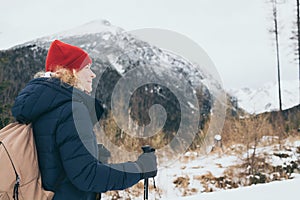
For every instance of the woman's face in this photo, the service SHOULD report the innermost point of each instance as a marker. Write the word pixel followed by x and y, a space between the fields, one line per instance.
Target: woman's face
pixel 85 77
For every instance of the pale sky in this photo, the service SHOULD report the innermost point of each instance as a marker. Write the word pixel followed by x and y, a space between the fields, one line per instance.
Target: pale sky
pixel 234 33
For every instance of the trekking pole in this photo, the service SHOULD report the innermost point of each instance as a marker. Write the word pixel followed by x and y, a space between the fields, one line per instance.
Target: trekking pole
pixel 146 185
pixel 146 149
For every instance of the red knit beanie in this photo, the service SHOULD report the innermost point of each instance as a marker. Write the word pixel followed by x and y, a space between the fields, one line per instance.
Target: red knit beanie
pixel 67 56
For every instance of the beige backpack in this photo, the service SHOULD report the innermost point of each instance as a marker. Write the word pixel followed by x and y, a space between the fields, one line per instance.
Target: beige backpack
pixel 19 172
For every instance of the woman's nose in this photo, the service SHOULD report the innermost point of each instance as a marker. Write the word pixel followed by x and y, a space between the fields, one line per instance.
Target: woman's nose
pixel 93 75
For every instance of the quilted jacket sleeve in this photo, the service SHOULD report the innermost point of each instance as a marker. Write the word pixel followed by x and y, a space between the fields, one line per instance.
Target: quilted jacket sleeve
pixel 78 149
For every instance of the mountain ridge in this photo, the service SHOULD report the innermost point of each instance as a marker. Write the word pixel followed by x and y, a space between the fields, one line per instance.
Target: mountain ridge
pixel 266 98
pixel 115 53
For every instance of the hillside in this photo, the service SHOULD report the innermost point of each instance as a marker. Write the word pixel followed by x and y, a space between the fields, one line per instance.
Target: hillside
pixel 132 77
pixel 17 67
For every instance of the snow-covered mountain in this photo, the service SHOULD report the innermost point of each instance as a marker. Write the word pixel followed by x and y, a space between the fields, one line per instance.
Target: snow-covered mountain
pixel 183 89
pixel 266 98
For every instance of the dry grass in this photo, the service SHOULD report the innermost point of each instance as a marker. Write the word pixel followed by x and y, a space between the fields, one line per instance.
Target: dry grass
pixel 182 183
pixel 245 130
pixel 239 135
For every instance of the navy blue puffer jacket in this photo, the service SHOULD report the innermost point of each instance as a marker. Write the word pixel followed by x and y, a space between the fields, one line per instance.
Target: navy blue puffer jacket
pixel 63 119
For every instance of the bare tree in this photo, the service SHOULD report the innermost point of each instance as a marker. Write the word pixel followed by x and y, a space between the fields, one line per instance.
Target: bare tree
pixel 276 33
pixel 296 37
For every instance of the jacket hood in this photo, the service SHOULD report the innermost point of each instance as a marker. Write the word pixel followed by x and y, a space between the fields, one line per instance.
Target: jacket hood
pixel 42 95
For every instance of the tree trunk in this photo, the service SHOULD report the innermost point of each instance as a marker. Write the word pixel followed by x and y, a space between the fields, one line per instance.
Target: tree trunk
pixel 277 50
pixel 298 42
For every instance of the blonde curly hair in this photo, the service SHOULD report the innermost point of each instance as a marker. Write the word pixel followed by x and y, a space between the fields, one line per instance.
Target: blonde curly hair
pixel 65 75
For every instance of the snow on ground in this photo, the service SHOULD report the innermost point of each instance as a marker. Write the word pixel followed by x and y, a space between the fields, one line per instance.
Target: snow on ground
pixel 278 190
pixel 190 173
pixel 184 179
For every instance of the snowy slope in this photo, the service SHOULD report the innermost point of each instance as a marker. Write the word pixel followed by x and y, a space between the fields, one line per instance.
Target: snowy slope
pixel 73 35
pixel 272 191
pixel 265 98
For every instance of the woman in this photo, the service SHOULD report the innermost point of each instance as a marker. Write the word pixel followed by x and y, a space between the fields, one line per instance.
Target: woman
pixel 61 113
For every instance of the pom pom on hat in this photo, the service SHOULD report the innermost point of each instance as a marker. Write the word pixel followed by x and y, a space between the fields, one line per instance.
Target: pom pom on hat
pixel 67 56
